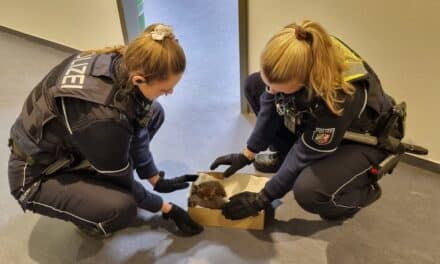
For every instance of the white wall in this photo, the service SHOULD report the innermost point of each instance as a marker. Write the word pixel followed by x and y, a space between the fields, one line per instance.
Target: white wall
pixel 399 39
pixel 78 24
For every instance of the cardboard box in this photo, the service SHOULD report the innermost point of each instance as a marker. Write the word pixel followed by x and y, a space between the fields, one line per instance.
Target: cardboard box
pixel 234 184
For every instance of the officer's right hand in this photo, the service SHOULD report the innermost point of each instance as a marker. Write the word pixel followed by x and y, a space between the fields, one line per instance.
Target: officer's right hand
pixel 235 160
pixel 183 221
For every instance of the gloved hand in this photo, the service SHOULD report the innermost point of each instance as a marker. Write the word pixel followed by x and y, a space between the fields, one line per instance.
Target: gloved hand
pixel 235 160
pixel 245 204
pixel 183 220
pixel 170 185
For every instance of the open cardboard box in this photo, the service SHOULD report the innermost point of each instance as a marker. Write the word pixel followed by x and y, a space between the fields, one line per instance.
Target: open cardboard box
pixel 234 184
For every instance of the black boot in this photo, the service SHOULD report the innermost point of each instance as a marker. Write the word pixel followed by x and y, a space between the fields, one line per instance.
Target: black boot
pixel 268 162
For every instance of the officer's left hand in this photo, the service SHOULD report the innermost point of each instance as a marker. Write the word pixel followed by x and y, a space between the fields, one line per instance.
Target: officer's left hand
pixel 245 204
pixel 183 221
pixel 235 160
pixel 170 185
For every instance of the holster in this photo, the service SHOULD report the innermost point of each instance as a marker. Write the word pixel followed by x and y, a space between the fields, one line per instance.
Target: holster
pixel 389 138
pixel 393 130
pixel 52 165
pixel 389 130
pixel 63 163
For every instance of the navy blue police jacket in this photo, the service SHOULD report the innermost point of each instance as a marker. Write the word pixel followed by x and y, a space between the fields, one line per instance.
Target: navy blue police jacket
pixel 319 135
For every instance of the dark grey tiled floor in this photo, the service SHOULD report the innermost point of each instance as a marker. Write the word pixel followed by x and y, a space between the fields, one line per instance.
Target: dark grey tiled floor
pixel 203 121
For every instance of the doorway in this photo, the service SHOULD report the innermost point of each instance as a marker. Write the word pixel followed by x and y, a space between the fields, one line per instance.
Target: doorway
pixel 213 35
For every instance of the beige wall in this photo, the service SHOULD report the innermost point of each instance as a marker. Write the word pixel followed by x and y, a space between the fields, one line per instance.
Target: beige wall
pixel 78 24
pixel 400 39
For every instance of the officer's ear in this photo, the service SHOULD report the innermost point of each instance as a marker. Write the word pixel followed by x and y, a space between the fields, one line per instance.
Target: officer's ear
pixel 138 79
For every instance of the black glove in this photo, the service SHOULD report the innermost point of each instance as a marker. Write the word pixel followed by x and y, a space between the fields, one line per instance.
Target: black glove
pixel 183 221
pixel 236 160
pixel 245 204
pixel 170 185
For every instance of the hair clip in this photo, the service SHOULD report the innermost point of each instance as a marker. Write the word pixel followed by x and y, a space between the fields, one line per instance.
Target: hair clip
pixel 161 31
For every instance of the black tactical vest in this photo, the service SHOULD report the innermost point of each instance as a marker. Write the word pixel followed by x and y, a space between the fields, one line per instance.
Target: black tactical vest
pixel 86 77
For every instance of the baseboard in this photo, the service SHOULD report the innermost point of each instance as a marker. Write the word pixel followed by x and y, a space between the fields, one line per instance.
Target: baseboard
pixel 39 40
pixel 421 163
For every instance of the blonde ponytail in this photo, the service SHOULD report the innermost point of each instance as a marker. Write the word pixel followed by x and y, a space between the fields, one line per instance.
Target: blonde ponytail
pixel 326 75
pixel 305 53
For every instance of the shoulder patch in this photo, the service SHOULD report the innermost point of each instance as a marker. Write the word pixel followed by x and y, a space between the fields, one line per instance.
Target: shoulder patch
pixel 323 136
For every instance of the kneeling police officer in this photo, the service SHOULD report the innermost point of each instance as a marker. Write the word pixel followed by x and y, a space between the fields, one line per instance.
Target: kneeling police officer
pixel 87 126
pixel 312 90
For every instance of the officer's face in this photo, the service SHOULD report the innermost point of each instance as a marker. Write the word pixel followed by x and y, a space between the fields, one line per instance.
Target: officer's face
pixel 153 89
pixel 287 87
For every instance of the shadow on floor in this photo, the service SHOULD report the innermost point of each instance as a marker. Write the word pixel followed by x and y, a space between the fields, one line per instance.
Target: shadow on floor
pixel 53 242
pixel 210 239
pixel 64 244
pixel 294 227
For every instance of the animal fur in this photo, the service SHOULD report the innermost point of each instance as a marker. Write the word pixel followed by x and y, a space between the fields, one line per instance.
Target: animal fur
pixel 209 194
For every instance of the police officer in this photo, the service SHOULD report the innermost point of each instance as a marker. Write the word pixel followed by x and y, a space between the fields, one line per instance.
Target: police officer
pixel 312 88
pixel 87 125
